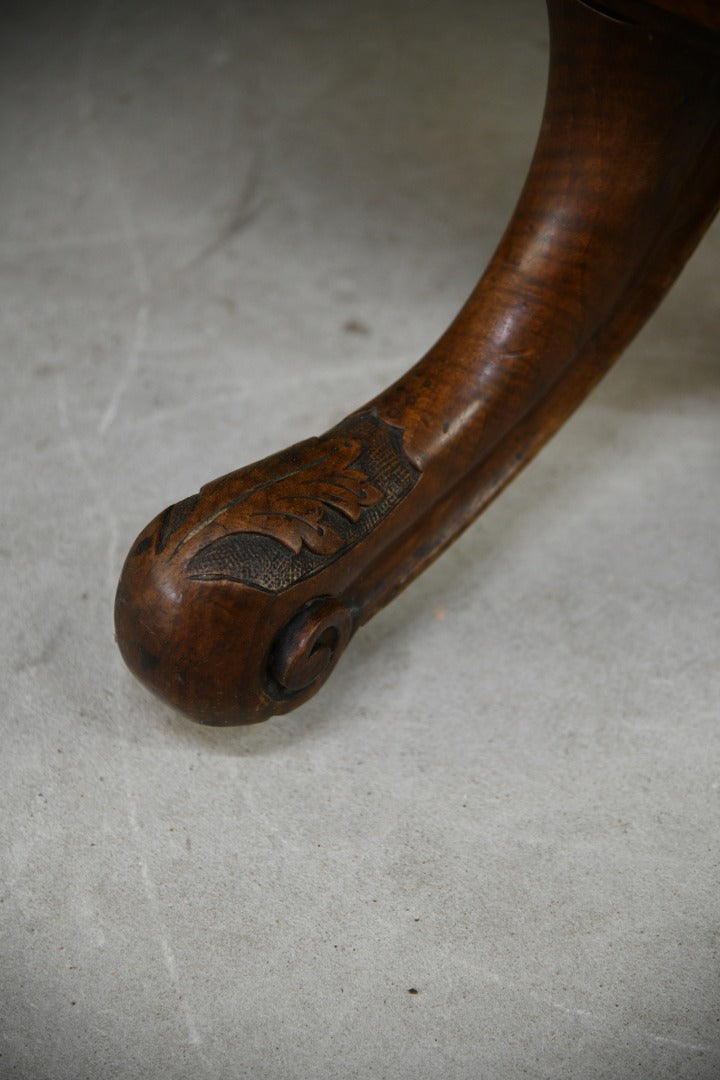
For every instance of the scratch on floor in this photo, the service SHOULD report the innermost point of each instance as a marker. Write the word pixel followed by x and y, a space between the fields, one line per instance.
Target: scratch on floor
pixel 93 481
pixel 639 1032
pixel 246 211
pixel 86 110
pixel 68 427
pixel 154 904
pixel 235 394
pixel 700 1048
pixel 137 346
pixel 107 168
pixel 166 951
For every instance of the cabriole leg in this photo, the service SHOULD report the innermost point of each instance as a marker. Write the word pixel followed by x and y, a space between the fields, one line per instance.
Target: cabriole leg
pixel 236 603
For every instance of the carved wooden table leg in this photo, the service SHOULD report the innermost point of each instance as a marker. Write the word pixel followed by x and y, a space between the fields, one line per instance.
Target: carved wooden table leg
pixel 236 603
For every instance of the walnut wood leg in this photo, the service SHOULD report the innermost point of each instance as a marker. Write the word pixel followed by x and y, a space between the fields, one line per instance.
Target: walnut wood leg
pixel 236 603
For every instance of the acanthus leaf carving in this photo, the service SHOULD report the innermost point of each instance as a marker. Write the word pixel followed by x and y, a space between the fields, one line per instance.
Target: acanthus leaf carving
pixel 285 518
pixel 291 508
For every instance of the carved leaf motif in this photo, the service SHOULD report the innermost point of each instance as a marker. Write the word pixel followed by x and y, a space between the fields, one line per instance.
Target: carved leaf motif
pixel 291 506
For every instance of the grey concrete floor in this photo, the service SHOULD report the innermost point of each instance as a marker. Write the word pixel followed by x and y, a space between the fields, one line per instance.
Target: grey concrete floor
pixel 223 227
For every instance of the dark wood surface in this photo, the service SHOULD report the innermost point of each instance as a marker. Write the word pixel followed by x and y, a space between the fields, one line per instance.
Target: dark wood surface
pixel 694 21
pixel 236 603
pixel 703 12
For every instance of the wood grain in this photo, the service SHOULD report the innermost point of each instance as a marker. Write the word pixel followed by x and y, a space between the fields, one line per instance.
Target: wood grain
pixel 236 604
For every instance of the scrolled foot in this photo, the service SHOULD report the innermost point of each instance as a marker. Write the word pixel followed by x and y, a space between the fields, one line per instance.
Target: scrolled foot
pixel 230 604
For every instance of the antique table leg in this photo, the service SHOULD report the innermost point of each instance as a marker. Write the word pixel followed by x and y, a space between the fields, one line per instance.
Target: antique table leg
pixel 236 603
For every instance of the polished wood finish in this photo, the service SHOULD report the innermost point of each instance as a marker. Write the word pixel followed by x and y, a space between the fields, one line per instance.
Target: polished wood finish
pixel 693 21
pixel 236 603
pixel 703 12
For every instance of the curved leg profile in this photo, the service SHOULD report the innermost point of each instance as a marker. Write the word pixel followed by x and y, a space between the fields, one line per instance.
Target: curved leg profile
pixel 235 603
